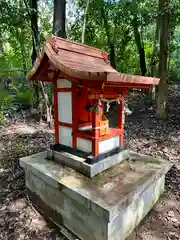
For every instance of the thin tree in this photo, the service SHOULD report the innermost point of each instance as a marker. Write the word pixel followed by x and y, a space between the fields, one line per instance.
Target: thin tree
pixel 33 4
pixel 161 112
pixel 153 63
pixel 110 39
pixel 84 22
pixel 152 71
pixel 138 40
pixel 59 18
pixel 32 10
pixel 23 51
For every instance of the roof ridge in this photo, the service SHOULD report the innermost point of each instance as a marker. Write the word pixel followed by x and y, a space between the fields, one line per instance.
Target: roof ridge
pixel 103 53
pixel 77 43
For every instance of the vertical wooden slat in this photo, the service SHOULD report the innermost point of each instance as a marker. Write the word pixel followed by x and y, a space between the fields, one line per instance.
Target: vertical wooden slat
pixel 56 124
pixel 56 120
pixel 120 123
pixel 95 132
pixel 74 116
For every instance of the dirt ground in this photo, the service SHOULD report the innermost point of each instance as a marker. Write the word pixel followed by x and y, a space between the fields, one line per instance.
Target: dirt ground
pixel 18 218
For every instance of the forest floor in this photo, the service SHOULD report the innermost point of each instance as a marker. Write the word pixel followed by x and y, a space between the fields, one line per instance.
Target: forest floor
pixel 144 134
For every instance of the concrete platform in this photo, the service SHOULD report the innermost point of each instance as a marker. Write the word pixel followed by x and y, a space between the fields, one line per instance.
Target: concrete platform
pixel 80 164
pixel 106 207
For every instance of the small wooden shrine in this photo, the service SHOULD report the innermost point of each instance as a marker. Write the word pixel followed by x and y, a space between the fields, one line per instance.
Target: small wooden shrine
pixel 93 204
pixel 83 81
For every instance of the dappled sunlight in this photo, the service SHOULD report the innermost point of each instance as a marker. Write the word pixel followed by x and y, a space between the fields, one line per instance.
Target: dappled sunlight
pixel 26 128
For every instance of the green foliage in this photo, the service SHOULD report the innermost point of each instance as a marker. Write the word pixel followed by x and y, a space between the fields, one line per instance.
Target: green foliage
pixel 5 97
pixel 2 118
pixel 120 15
pixel 16 37
pixel 5 102
pixel 16 49
pixel 24 97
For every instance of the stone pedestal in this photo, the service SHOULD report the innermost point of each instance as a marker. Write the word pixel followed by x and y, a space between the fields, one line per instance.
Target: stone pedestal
pixel 106 207
pixel 80 164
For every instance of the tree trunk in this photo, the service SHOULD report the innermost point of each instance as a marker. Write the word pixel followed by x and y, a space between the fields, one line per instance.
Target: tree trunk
pixel 139 45
pixel 20 40
pixel 153 71
pixel 84 22
pixel 23 52
pixel 161 112
pixel 112 54
pixel 33 14
pixel 1 45
pixel 59 18
pixel 34 27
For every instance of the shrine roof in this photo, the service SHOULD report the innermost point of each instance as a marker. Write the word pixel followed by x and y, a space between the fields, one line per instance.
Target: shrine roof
pixel 80 62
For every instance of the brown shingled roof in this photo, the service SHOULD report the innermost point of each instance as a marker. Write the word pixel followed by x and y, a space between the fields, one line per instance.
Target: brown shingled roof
pixel 82 62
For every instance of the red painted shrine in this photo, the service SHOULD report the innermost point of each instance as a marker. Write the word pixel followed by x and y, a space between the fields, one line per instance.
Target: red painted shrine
pixel 87 183
pixel 83 81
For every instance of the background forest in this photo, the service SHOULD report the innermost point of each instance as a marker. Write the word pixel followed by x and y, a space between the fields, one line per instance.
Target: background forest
pixel 141 36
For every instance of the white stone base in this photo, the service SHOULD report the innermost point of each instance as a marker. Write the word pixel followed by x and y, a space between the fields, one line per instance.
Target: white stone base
pixel 107 207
